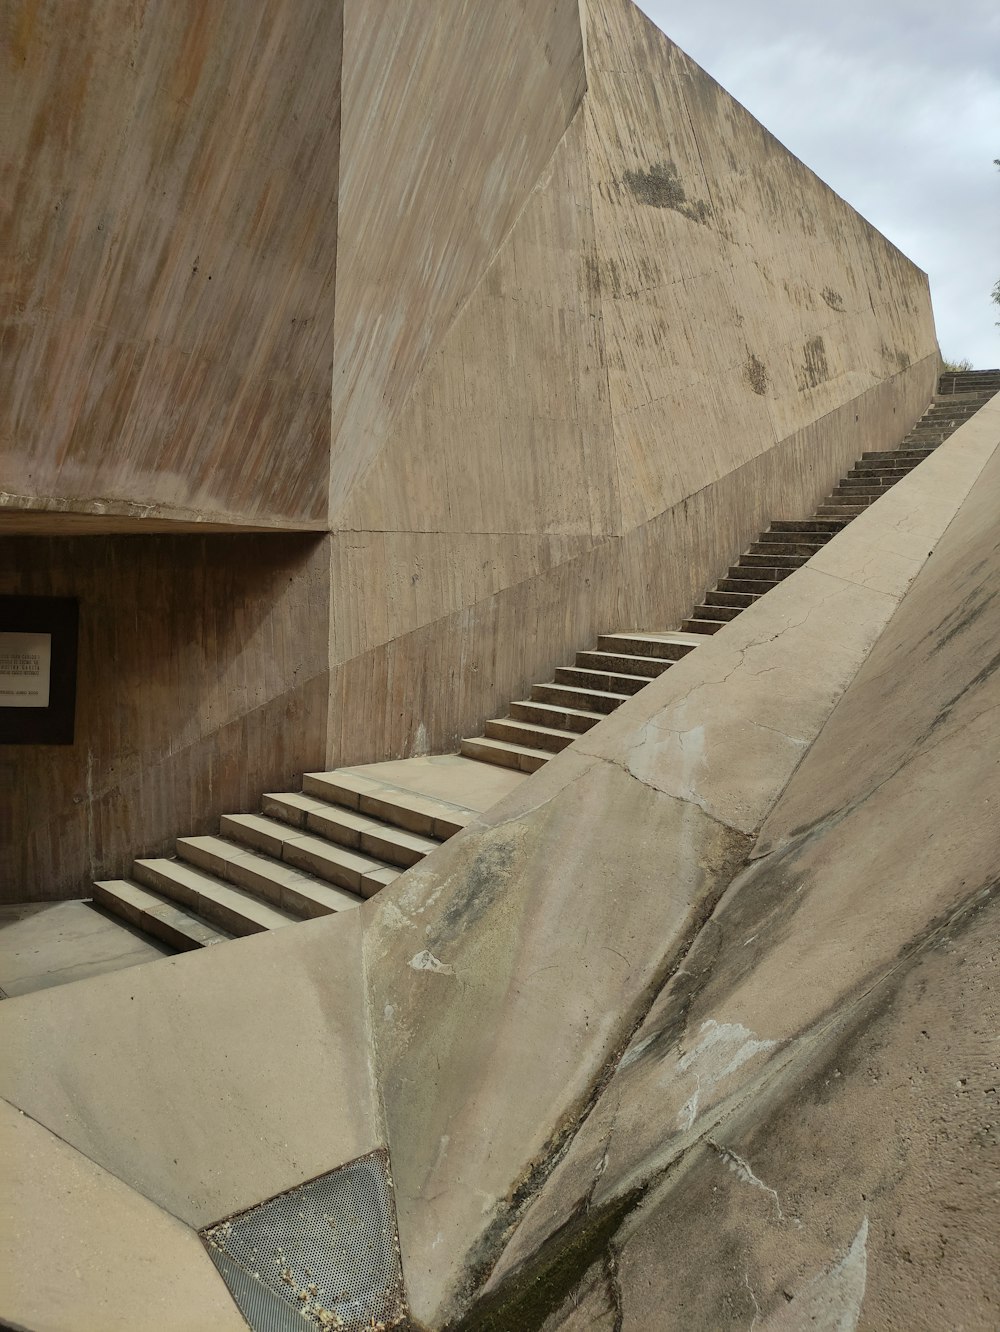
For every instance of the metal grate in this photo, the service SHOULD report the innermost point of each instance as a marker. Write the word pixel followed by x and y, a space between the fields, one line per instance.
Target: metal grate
pixel 326 1253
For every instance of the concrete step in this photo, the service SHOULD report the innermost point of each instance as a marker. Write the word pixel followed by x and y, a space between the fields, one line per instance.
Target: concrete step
pixel 420 814
pixel 847 501
pixel 155 915
pixel 712 611
pixel 843 491
pixel 895 458
pixel 771 559
pixel 877 475
pixel 815 539
pixel 572 696
pixel 529 735
pixel 345 827
pixel 768 572
pixel 773 550
pixel 739 599
pixel 670 645
pixel 806 525
pixel 612 681
pixel 208 896
pixel 621 664
pixel 550 714
pixel 520 757
pixel 314 857
pixel 755 587
pixel 826 509
pixel 703 626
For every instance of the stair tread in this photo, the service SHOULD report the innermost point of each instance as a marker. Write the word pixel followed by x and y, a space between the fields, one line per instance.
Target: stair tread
pixel 540 727
pixel 299 841
pixel 664 636
pixel 217 890
pixel 143 905
pixel 362 824
pixel 558 708
pixel 422 814
pixel 614 675
pixel 487 742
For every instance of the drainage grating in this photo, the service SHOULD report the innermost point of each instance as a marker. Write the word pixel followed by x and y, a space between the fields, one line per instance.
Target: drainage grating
pixel 325 1254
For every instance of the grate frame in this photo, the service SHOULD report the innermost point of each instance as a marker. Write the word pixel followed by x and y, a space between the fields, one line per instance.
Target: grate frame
pixel 324 1254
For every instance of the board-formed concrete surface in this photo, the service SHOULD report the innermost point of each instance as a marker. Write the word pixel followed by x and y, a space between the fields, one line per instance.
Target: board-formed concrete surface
pixel 529 322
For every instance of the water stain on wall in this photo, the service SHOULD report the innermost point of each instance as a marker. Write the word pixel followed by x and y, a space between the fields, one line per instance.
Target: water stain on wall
pixel 815 368
pixel 661 187
pixel 755 373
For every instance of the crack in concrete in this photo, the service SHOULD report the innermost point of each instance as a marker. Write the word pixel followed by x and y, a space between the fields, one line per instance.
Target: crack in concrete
pixel 742 1169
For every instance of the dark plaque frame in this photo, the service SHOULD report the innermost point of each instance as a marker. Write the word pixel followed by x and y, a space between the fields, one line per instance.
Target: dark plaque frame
pixel 60 617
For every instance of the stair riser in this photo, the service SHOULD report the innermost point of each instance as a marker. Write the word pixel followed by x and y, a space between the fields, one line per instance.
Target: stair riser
pixel 607 661
pixel 772 550
pixel 564 720
pixel 614 684
pixel 368 843
pixel 700 627
pixel 147 921
pixel 763 573
pixel 756 587
pixel 380 807
pixel 716 612
pixel 772 561
pixel 513 734
pixel 551 693
pixel 826 527
pixel 739 600
pixel 216 913
pixel 502 758
pixel 639 647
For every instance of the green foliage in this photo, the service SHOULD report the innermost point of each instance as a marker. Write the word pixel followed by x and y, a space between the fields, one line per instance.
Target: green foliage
pixel 954 367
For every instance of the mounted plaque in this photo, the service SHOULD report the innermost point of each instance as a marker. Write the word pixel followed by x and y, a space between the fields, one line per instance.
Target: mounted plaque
pixel 38 646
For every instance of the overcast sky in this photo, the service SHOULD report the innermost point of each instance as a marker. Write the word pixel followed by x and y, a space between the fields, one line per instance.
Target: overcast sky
pixel 896 105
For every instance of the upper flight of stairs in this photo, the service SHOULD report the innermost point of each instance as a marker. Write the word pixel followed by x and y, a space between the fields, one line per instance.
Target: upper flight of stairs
pixel 307 853
pixel 621 664
pixel 345 835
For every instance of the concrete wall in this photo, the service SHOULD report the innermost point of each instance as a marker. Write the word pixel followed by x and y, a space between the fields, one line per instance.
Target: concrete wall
pixel 683 334
pixel 172 242
pixel 202 681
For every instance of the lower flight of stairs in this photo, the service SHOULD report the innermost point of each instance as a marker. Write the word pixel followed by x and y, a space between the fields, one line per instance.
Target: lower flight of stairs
pixel 307 853
pixel 621 664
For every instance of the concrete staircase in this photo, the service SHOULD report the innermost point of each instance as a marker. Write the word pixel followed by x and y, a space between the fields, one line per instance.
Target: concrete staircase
pixel 307 853
pixel 346 835
pixel 603 677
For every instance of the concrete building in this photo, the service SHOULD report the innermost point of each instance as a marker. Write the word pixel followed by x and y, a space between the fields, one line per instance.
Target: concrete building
pixel 500 794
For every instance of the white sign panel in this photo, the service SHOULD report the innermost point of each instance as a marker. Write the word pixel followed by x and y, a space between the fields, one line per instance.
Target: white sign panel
pixel 25 665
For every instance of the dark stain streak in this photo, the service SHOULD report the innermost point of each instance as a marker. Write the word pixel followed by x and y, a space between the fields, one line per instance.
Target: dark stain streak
pixel 968 612
pixel 755 373
pixel 661 187
pixel 942 716
pixel 833 299
pixel 815 368
pixel 483 883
